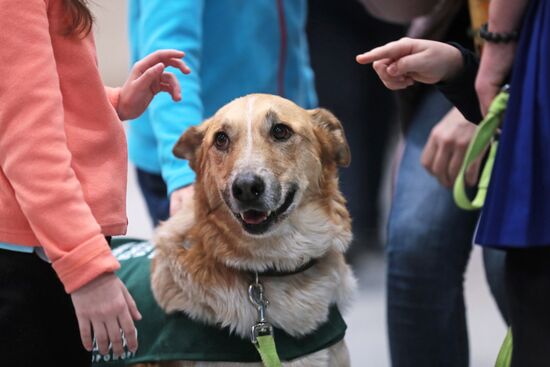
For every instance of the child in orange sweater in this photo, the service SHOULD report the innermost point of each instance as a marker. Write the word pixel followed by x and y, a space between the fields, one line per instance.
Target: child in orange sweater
pixel 63 163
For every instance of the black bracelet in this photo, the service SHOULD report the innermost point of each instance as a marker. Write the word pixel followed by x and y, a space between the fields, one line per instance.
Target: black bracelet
pixel 494 37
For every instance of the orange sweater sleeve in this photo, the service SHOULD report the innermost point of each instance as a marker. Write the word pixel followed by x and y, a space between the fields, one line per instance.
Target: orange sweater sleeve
pixel 34 155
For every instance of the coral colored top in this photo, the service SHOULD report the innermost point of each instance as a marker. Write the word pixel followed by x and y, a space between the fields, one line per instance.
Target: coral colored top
pixel 63 155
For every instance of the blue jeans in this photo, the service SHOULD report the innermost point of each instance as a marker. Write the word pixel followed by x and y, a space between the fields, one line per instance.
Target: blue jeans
pixel 429 243
pixel 154 192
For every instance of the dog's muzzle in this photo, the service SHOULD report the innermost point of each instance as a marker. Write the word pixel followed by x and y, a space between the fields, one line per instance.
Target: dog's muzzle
pixel 256 201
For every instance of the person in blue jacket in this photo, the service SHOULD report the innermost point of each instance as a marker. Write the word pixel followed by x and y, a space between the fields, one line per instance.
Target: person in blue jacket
pixel 233 48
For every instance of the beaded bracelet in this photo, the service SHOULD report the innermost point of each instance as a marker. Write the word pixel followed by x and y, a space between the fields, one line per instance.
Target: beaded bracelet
pixel 495 37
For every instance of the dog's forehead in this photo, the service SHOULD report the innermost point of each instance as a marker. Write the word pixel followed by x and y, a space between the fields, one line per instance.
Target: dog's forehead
pixel 258 107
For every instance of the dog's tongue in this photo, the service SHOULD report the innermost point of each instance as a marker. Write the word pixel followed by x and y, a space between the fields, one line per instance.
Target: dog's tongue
pixel 253 217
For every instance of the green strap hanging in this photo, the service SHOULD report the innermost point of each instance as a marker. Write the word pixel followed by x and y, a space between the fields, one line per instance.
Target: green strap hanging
pixel 483 137
pixel 266 347
pixel 504 358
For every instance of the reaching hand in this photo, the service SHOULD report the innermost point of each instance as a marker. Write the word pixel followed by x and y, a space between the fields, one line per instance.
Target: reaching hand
pixel 179 196
pixel 494 67
pixel 446 147
pixel 400 63
pixel 104 308
pixel 147 78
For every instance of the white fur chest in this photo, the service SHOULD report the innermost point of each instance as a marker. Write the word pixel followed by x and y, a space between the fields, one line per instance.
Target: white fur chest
pixel 298 303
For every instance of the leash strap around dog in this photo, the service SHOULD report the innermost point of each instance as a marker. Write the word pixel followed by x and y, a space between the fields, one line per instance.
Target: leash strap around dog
pixel 483 137
pixel 262 331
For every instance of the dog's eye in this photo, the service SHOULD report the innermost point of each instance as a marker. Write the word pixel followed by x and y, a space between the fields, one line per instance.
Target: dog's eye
pixel 281 132
pixel 221 141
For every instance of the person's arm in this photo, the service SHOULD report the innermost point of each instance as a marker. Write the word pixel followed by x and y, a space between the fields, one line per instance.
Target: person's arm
pixel 399 11
pixel 173 24
pixel 460 89
pixel 401 63
pixel 497 58
pixel 33 149
pixel 37 163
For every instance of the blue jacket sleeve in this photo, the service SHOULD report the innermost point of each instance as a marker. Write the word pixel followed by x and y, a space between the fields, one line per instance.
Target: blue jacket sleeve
pixel 174 24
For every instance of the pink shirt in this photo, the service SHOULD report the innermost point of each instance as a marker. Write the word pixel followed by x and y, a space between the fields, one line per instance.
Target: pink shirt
pixel 63 155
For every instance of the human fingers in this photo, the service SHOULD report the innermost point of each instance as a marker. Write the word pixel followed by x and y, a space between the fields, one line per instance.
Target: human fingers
pixel 100 336
pixel 393 50
pixel 390 81
pixel 150 79
pixel 473 172
pixel 428 154
pixel 85 332
pixel 115 336
pixel 132 306
pixel 176 200
pixel 411 65
pixel 129 330
pixel 177 63
pixel 160 56
pixel 169 83
pixel 440 164
pixel 179 197
pixel 486 92
pixel 455 164
pixel 494 67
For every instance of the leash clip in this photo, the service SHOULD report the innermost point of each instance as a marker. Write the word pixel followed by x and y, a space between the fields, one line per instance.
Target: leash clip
pixel 260 329
pixel 257 298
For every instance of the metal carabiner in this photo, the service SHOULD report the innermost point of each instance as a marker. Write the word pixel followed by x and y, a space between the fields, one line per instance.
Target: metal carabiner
pixel 257 298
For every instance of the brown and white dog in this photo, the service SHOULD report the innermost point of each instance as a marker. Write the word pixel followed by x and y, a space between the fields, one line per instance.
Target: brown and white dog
pixel 266 197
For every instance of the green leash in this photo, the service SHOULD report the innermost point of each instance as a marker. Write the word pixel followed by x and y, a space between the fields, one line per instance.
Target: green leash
pixel 262 331
pixel 266 347
pixel 483 137
pixel 505 354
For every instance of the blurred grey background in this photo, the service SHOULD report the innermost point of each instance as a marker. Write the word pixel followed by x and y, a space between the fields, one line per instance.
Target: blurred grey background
pixel 366 335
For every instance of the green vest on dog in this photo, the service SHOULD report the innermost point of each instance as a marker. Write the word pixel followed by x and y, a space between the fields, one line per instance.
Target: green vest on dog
pixel 169 337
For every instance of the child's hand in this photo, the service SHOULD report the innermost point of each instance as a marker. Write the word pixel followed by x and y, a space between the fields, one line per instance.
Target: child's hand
pixel 104 308
pixel 147 78
pixel 399 64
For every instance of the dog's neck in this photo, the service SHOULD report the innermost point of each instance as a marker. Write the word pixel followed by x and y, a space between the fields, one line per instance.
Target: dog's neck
pixel 274 273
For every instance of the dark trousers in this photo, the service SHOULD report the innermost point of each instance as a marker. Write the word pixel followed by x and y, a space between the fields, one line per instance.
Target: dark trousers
pixel 38 325
pixel 337 32
pixel 155 194
pixel 528 290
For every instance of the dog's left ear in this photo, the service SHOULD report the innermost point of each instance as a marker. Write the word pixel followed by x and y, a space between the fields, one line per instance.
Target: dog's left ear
pixel 189 143
pixel 332 136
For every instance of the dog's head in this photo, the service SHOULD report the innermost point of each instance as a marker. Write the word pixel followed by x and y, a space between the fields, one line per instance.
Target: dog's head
pixel 260 157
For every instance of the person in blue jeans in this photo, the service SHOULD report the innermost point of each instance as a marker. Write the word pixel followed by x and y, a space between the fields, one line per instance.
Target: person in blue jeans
pixel 233 48
pixel 429 244
pixel 429 237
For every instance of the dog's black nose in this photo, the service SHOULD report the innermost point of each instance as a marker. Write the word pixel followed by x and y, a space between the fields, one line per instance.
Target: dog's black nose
pixel 248 187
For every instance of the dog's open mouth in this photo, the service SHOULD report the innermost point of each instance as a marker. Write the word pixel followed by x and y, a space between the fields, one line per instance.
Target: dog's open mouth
pixel 257 222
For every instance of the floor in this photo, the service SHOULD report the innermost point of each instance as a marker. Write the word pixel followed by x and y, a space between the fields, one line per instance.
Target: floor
pixel 366 335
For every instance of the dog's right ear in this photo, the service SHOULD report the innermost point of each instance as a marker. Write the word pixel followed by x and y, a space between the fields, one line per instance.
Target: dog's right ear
pixel 189 143
pixel 333 139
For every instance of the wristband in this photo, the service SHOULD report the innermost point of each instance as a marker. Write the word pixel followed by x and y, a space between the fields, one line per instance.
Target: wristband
pixel 497 37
